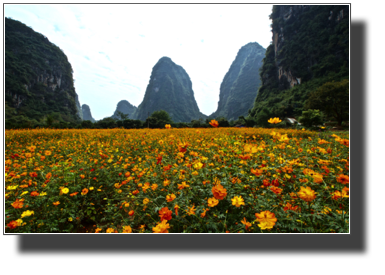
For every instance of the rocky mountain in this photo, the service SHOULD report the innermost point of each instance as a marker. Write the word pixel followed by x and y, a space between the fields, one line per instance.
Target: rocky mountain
pixel 240 84
pixel 38 79
pixel 169 89
pixel 310 46
pixel 87 113
pixel 126 108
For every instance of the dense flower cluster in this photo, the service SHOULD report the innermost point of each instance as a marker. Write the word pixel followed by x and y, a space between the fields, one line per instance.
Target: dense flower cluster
pixel 176 180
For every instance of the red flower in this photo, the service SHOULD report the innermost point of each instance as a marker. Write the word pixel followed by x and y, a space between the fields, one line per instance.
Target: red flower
pixel 34 194
pixel 159 159
pixel 12 224
pixel 266 182
pixel 135 192
pixel 33 174
pixel 275 183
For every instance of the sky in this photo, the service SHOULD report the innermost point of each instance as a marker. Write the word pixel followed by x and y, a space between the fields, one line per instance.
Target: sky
pixel 112 48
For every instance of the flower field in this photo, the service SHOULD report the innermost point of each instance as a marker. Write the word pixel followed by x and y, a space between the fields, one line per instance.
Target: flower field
pixel 218 180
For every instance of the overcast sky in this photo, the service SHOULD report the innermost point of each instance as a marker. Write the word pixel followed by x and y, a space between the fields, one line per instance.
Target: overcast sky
pixel 113 48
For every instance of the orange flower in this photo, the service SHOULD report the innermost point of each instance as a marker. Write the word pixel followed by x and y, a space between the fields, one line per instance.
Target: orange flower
pixel 191 210
pixel 48 176
pixel 56 203
pixel 288 206
pixel 34 194
pixel 84 191
pixel 238 201
pixel 307 194
pixel 131 213
pixel 74 194
pixel 256 172
pixel 161 227
pixel 127 229
pixel 110 230
pixel 214 123
pixel 203 214
pixel 183 185
pixel 165 214
pixel 97 230
pixel 276 190
pixel 170 197
pixel 135 192
pixel 266 219
pixel 212 202
pixel 18 204
pixel 246 223
pixel 219 192
pixel 344 179
pixel 274 120
pixel 176 207
pixel 317 178
pixel 167 126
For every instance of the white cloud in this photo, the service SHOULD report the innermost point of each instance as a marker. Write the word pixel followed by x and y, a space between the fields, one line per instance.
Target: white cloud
pixel 124 42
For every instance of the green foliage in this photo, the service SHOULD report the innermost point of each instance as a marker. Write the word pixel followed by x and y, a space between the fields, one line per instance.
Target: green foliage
pixel 333 99
pixel 262 118
pixel 311 118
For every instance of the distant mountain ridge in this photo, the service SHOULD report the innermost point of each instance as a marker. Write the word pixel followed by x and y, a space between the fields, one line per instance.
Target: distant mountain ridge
pixel 87 113
pixel 169 89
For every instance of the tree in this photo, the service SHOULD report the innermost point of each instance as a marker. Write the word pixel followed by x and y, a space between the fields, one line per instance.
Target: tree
pixel 311 118
pixel 121 115
pixel 333 99
pixel 87 124
pixel 158 119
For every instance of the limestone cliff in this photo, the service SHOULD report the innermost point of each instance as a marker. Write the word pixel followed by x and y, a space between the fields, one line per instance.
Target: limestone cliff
pixel 310 46
pixel 38 78
pixel 240 84
pixel 126 108
pixel 87 113
pixel 169 89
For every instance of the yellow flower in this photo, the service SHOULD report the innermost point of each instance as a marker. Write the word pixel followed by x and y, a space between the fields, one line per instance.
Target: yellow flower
pixel 167 126
pixel 19 222
pixel 145 201
pixel 70 219
pixel 12 187
pixel 43 194
pixel 27 213
pixel 238 201
pixel 161 227
pixel 64 191
pixel 274 120
pixel 198 165
pixel 22 194
pixel 91 188
pixel 110 230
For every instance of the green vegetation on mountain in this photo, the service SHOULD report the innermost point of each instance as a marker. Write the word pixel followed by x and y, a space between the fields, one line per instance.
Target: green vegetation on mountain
pixel 169 89
pixel 310 47
pixel 38 80
pixel 240 84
